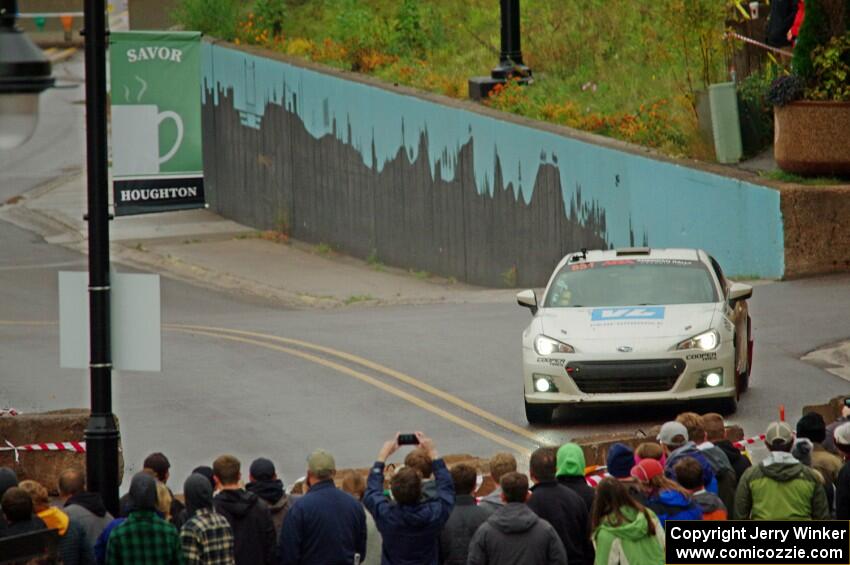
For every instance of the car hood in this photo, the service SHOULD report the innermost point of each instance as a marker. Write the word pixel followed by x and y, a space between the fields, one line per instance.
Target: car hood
pixel 636 322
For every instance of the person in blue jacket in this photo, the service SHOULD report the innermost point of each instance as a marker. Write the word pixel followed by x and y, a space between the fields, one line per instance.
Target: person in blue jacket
pixel 327 525
pixel 667 499
pixel 410 527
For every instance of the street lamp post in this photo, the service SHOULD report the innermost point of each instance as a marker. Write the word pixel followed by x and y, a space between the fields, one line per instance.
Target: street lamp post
pixel 102 436
pixel 510 55
pixel 510 64
pixel 24 74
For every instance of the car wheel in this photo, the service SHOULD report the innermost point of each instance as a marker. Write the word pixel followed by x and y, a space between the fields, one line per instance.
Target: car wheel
pixel 539 413
pixel 745 378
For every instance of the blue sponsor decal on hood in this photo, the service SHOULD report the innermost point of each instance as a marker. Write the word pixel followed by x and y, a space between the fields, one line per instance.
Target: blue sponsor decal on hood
pixel 627 313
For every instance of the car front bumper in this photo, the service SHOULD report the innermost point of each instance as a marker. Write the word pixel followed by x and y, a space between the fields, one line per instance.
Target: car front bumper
pixel 629 378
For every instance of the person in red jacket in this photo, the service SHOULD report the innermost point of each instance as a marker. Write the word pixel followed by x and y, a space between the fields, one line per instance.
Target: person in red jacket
pixel 798 22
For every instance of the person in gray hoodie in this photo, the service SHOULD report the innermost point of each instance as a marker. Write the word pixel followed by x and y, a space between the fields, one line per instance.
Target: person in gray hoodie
pixel 515 535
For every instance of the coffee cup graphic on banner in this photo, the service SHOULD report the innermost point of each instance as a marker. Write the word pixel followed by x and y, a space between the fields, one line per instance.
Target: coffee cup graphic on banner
pixel 136 133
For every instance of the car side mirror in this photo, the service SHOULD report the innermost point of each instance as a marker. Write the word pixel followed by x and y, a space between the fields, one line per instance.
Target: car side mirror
pixel 740 291
pixel 527 299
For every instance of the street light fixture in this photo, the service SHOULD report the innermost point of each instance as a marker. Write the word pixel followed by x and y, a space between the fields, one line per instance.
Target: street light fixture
pixel 24 74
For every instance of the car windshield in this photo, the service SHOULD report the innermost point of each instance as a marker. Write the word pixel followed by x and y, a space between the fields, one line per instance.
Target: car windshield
pixel 631 282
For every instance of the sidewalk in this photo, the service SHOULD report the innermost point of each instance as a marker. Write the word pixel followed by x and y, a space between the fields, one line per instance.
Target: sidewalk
pixel 200 247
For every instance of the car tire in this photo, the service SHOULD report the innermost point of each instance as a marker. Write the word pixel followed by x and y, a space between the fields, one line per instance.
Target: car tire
pixel 539 413
pixel 742 379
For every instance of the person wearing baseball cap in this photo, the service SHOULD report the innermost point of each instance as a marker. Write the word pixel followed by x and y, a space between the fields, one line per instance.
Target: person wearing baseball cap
pixel 326 525
pixel 780 487
pixel 265 483
pixel 673 437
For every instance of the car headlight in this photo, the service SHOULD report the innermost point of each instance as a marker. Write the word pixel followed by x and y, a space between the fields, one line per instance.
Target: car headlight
pixel 705 341
pixel 546 346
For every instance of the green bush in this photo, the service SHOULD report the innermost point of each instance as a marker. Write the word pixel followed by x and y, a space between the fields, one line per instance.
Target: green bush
pixel 756 112
pixel 217 18
pixel 357 26
pixel 271 15
pixel 831 70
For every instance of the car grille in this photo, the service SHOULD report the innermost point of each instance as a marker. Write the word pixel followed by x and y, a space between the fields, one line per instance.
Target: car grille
pixel 634 376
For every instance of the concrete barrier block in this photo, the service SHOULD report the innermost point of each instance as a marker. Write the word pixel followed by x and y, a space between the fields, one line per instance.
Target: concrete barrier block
pixel 595 447
pixel 47 427
pixel 830 411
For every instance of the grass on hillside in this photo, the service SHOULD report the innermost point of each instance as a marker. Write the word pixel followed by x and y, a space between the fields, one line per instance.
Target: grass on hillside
pixel 620 68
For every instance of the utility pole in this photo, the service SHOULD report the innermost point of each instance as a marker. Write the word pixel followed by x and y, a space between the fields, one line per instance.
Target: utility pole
pixel 102 436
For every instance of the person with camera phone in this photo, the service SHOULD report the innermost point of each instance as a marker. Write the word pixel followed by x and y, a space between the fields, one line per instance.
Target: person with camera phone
pixel 410 527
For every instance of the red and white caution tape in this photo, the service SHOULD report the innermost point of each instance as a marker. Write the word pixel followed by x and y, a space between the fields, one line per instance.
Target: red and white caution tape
pixel 73 446
pixel 8 412
pixel 748 441
pixel 765 46
pixel 593 475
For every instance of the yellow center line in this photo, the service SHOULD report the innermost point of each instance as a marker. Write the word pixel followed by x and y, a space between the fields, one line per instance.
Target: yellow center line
pixel 415 400
pixel 234 335
pixel 407 379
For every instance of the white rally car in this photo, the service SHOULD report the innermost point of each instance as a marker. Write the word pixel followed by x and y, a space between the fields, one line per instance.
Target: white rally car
pixel 636 325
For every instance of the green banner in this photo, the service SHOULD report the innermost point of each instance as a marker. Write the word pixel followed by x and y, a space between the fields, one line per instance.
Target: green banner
pixel 157 162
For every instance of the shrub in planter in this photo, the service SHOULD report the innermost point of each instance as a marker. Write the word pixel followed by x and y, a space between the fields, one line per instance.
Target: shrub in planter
pixel 756 111
pixel 830 76
pixel 785 89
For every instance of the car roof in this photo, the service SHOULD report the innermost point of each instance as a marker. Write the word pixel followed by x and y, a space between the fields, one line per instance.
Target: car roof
pixel 593 255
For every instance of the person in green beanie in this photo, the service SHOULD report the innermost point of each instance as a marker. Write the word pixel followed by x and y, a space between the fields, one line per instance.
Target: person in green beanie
pixel 570 465
pixel 624 531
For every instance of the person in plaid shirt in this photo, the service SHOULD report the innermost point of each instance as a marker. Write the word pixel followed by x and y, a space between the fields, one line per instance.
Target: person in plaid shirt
pixel 144 538
pixel 206 536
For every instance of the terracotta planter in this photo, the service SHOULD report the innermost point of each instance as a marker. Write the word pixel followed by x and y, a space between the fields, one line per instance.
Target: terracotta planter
pixel 813 138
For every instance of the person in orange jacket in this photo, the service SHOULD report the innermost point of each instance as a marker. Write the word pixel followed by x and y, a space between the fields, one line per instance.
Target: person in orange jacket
pixel 689 476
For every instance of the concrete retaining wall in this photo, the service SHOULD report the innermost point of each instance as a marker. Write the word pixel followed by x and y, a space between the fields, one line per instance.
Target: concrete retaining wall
pixel 817 229
pixel 450 187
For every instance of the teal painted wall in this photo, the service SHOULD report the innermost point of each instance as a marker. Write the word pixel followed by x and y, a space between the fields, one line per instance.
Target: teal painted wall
pixel 663 203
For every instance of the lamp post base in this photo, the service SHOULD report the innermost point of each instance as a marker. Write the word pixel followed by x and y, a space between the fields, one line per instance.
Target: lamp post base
pixel 102 458
pixel 480 87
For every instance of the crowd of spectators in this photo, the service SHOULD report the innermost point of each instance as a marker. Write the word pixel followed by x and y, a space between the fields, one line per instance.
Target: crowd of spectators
pixel 425 513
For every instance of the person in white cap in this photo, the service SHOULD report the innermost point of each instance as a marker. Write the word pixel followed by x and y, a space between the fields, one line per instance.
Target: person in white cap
pixel 780 487
pixel 673 437
pixel 841 436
